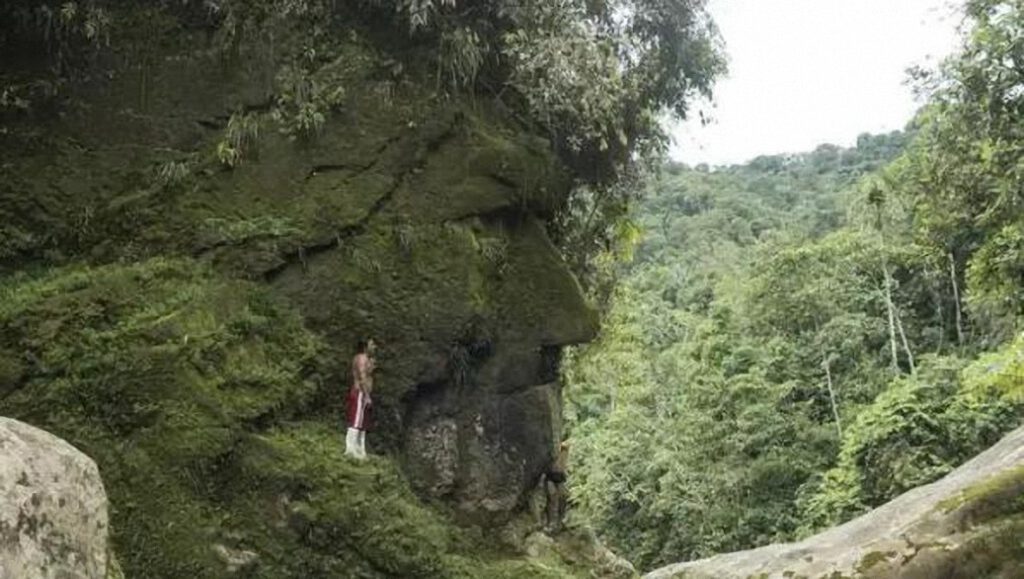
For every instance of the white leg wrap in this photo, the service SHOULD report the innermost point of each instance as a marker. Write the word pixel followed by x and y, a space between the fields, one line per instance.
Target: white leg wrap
pixel 352 442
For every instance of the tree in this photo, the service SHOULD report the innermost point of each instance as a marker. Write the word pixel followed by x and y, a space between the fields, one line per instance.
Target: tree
pixel 876 198
pixel 963 172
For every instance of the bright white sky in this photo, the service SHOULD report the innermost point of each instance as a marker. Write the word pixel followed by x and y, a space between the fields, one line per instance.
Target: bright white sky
pixel 807 72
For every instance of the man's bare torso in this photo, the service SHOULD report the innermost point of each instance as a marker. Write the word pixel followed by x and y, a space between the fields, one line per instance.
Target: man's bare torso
pixel 362 372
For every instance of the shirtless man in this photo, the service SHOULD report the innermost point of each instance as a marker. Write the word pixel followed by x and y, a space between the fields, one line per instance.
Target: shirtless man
pixel 359 400
pixel 554 488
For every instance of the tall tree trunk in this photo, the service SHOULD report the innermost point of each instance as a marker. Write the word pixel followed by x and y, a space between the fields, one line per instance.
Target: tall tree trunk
pixel 956 300
pixel 906 345
pixel 892 315
pixel 895 323
pixel 940 316
pixel 827 365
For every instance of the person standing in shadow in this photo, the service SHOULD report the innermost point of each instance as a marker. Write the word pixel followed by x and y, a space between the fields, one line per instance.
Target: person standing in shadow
pixel 554 488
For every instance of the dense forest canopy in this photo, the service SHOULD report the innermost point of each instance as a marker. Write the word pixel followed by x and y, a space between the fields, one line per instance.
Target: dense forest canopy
pixel 802 338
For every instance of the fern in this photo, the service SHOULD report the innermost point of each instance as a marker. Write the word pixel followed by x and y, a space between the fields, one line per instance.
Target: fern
pixel 461 57
pixel 239 140
pixel 172 174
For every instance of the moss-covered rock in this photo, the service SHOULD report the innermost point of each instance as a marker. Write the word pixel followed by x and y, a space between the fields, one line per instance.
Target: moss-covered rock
pixel 155 370
pixel 189 325
pixel 12 371
pixel 183 384
pixel 329 516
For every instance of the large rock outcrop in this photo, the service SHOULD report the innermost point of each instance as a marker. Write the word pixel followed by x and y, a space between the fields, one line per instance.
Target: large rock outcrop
pixel 53 509
pixel 967 525
pixel 410 217
pixel 191 323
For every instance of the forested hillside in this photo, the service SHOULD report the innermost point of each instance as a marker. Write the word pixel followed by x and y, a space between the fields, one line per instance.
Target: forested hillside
pixel 805 337
pixel 711 355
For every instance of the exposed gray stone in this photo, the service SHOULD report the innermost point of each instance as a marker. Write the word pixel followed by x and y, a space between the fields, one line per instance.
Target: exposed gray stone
pixel 433 446
pixel 53 509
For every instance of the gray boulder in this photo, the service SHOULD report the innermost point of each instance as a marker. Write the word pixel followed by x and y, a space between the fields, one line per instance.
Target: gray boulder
pixel 967 525
pixel 53 509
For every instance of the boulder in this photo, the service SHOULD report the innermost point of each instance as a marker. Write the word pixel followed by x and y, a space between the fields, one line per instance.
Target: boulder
pixel 969 524
pixel 53 509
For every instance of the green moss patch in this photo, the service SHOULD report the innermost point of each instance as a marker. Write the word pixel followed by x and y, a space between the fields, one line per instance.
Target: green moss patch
pixel 991 550
pixel 331 516
pixel 874 559
pixel 1000 496
pixel 155 370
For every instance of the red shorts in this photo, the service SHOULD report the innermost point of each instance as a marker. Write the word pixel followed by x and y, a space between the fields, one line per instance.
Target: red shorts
pixel 358 409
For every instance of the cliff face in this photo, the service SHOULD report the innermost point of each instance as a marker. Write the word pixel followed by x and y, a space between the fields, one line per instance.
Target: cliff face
pixel 189 325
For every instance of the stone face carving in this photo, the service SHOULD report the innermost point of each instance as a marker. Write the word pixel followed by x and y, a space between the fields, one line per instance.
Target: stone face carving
pixel 53 509
pixel 966 525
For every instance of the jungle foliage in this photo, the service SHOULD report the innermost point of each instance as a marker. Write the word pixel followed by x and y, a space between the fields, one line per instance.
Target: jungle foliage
pixel 802 338
pixel 805 337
